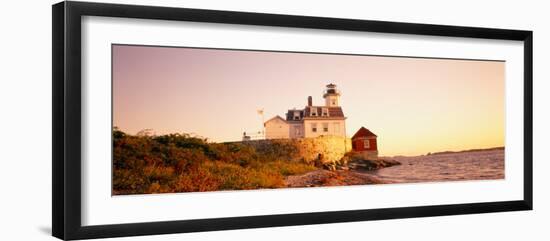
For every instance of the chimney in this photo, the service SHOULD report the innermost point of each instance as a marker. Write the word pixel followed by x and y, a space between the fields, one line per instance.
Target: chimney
pixel 309 101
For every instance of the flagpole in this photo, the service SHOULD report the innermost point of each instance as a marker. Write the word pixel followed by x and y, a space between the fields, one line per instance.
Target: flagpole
pixel 261 113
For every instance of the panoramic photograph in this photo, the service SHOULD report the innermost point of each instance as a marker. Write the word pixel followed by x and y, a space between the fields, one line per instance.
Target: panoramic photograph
pixel 189 119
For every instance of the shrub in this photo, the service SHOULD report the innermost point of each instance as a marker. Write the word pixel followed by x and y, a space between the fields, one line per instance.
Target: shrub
pixel 182 163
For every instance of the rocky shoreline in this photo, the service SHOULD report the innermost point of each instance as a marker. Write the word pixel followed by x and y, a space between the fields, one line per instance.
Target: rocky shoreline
pixel 485 164
pixel 352 173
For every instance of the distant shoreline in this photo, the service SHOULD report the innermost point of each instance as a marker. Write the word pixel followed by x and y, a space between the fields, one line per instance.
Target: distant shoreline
pixel 449 152
pixel 469 150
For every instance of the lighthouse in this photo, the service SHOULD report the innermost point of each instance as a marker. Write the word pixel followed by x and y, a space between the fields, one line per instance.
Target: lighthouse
pixel 331 95
pixel 312 120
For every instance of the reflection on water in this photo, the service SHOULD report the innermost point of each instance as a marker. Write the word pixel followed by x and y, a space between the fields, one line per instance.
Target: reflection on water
pixel 476 165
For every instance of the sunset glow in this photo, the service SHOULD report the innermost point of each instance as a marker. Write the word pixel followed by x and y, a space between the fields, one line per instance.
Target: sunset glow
pixel 414 105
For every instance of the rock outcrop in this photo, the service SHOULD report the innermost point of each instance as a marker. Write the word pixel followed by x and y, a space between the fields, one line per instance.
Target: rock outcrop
pixel 319 150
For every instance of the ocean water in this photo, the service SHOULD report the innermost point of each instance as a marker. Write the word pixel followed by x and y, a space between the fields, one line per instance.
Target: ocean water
pixel 476 165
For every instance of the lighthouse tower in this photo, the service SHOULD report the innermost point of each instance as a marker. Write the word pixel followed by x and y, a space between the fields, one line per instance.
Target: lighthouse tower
pixel 311 121
pixel 331 95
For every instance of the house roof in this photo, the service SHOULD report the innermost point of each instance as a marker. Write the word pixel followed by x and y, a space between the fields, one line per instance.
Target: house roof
pixel 275 118
pixel 363 132
pixel 333 112
pixel 290 114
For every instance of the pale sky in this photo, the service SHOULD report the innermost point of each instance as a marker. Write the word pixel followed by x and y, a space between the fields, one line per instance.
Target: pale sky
pixel 414 105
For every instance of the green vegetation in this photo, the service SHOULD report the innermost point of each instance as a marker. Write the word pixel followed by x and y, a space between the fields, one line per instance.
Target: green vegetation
pixel 182 163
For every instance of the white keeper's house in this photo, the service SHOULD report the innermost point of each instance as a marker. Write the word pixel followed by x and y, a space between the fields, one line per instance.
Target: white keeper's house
pixel 312 121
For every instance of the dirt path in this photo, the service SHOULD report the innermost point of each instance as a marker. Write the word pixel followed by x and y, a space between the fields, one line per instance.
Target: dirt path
pixel 320 178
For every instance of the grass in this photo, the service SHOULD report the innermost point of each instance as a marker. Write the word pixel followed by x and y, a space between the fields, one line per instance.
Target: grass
pixel 182 163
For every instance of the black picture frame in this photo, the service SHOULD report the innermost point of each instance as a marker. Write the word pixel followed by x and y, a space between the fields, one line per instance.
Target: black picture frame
pixel 66 127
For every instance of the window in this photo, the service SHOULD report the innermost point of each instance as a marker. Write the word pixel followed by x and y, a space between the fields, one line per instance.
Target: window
pixel 325 112
pixel 313 127
pixel 336 127
pixel 325 127
pixel 296 115
pixel 366 144
pixel 313 111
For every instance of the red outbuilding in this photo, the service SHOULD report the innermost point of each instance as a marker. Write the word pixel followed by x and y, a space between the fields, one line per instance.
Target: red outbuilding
pixel 364 143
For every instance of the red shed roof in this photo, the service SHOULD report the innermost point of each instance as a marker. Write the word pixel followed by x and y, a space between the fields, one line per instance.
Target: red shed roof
pixel 363 132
